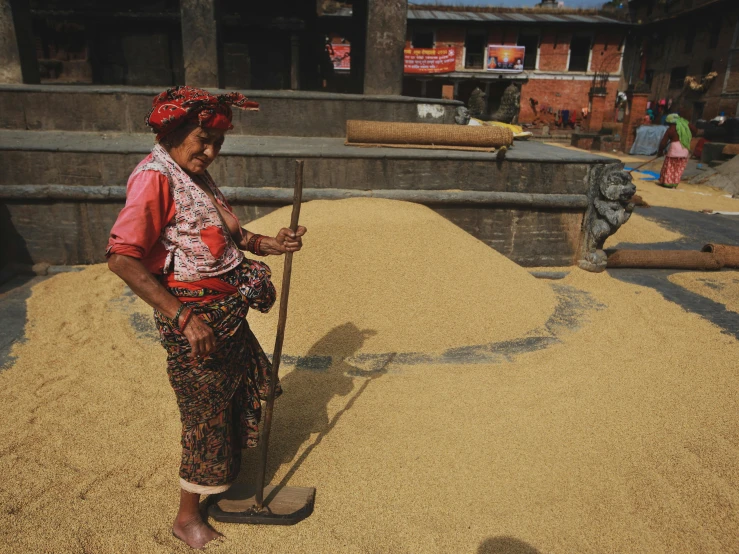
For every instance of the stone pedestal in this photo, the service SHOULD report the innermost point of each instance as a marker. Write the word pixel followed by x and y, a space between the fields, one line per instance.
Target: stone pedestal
pixel 637 110
pixel 200 42
pixel 597 112
pixel 18 62
pixel 386 28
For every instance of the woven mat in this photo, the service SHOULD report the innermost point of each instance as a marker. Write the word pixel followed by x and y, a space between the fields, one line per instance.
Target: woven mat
pixel 427 135
pixel 664 259
pixel 424 146
pixel 729 255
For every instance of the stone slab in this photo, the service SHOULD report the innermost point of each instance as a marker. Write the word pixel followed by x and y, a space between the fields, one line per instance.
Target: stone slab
pixel 57 157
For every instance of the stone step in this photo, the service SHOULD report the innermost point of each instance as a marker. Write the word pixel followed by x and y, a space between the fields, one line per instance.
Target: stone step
pixel 282 113
pixel 61 191
pixel 106 159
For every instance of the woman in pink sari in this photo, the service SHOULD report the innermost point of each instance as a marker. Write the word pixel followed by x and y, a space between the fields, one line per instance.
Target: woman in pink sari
pixel 676 145
pixel 178 245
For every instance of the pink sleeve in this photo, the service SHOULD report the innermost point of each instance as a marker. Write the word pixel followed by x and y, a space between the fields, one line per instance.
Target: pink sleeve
pixel 149 207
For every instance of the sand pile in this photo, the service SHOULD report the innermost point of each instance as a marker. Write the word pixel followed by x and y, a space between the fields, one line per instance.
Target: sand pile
pixel 722 287
pixel 405 276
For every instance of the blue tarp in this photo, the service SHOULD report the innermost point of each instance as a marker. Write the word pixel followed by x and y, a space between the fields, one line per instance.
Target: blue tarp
pixel 647 140
pixel 653 175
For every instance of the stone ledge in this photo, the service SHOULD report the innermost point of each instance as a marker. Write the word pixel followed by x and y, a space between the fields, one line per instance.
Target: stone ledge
pixel 252 94
pixel 252 146
pixel 82 193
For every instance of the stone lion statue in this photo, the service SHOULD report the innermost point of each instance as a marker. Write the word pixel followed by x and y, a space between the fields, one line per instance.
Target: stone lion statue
pixel 610 195
pixel 462 116
pixel 476 104
pixel 510 105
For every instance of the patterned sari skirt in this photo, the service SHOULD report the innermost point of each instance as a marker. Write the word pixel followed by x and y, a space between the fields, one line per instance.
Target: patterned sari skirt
pixel 672 171
pixel 219 395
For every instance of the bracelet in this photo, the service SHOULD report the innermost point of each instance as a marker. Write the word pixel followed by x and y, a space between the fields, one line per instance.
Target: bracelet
pixel 176 317
pixel 188 315
pixel 258 246
pixel 250 243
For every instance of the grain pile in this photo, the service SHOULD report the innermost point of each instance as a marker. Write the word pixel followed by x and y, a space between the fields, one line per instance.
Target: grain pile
pixel 640 230
pixel 621 437
pixel 722 287
pixel 587 446
pixel 406 276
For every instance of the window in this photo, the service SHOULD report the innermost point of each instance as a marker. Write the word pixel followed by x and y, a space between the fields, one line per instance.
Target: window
pixel 689 40
pixel 648 77
pixel 707 67
pixel 531 43
pixel 579 53
pixel 474 48
pixel 715 32
pixel 677 77
pixel 423 39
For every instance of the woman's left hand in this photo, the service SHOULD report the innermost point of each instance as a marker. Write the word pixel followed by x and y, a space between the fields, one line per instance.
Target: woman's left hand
pixel 285 241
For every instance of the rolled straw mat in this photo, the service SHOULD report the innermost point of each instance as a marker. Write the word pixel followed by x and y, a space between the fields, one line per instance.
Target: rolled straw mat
pixel 426 135
pixel 664 259
pixel 729 255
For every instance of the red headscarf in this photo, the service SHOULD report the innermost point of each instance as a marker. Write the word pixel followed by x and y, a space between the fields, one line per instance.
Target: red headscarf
pixel 179 105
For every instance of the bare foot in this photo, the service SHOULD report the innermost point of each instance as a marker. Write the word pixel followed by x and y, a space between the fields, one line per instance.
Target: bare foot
pixel 194 532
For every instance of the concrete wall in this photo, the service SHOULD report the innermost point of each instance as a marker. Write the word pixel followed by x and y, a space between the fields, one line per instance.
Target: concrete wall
pixel 77 233
pixel 530 207
pixel 285 113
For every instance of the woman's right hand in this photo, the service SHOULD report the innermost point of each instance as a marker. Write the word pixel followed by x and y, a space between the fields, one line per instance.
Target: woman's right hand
pixel 200 336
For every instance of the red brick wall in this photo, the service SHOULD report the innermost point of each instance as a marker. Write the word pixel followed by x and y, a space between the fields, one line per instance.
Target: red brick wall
pixel 503 35
pixel 562 95
pixel 453 36
pixel 606 55
pixel 553 50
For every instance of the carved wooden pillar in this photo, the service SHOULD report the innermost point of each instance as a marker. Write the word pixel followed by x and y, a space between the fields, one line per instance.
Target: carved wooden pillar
pixel 18 63
pixel 200 46
pixel 386 26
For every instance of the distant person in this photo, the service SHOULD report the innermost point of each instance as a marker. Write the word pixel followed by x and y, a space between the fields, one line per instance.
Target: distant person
pixel 676 145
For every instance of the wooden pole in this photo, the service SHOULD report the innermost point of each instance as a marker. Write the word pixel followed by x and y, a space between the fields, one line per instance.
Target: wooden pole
pixel 642 165
pixel 297 198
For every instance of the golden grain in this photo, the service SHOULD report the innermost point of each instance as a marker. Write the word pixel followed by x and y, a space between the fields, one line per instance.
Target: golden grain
pixel 622 437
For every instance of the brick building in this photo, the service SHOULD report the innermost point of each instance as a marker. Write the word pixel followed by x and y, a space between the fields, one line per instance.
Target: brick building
pixel 565 52
pixel 690 39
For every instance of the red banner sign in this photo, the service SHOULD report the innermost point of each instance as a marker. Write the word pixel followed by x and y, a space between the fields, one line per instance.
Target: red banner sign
pixel 508 59
pixel 430 60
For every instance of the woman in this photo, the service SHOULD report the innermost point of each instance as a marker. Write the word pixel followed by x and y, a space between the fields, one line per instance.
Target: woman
pixel 177 244
pixel 678 136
